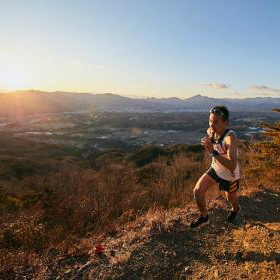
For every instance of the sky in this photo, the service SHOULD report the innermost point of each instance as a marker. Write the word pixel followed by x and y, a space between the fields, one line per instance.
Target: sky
pixel 149 48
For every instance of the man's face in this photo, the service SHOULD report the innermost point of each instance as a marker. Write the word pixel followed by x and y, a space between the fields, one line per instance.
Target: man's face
pixel 216 122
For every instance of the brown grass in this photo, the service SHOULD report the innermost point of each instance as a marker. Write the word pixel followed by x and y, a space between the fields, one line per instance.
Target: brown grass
pixel 54 210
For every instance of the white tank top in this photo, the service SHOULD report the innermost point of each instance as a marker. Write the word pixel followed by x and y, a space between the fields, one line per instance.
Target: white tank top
pixel 221 170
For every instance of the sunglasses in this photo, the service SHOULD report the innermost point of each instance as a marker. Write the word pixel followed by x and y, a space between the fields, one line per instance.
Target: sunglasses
pixel 216 111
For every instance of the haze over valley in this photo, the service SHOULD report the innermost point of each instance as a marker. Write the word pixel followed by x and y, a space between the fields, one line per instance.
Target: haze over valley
pixel 108 121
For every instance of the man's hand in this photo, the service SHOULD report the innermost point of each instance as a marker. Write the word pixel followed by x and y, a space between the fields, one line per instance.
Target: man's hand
pixel 210 131
pixel 206 143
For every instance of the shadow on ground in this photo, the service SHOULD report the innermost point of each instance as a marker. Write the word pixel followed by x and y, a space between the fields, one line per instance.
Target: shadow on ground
pixel 164 255
pixel 263 206
pixel 251 257
pixel 169 252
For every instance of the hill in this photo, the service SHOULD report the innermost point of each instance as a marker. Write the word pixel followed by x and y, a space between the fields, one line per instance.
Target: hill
pixel 138 207
pixel 126 215
pixel 159 245
pixel 22 103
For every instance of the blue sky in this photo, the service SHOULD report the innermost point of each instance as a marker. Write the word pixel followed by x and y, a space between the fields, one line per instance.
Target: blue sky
pixel 142 48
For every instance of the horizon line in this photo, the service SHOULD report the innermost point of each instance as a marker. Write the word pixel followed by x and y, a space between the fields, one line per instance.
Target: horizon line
pixel 128 95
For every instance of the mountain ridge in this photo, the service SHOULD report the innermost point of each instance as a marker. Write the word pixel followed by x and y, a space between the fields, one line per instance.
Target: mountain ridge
pixel 28 102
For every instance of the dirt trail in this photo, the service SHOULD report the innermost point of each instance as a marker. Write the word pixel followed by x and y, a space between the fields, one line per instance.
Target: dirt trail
pixel 161 246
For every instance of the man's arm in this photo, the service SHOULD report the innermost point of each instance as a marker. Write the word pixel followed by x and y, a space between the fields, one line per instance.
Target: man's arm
pixel 231 161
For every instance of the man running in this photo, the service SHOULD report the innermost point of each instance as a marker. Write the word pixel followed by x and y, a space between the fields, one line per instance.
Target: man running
pixel 221 144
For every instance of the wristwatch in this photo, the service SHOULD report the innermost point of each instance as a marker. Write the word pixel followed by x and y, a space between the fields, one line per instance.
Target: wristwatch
pixel 214 153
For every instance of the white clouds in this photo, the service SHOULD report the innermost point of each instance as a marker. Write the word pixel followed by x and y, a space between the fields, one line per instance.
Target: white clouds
pixel 265 88
pixel 216 86
pixel 84 66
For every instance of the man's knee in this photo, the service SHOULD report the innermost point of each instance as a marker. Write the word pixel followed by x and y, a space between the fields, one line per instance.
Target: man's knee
pixel 231 196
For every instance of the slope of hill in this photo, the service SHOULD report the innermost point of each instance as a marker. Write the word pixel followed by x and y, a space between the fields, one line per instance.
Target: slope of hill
pixel 62 218
pixel 155 243
pixel 159 245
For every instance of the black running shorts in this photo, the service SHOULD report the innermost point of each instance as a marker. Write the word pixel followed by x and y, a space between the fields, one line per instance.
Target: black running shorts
pixel 228 186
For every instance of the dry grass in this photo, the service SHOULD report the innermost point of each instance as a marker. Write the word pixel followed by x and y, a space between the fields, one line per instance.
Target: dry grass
pixel 55 210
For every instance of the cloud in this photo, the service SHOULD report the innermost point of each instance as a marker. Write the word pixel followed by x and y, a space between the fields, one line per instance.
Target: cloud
pixel 79 65
pixel 266 94
pixel 217 86
pixel 265 88
pixel 236 93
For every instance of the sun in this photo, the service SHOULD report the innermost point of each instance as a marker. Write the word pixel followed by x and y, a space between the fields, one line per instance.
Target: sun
pixel 13 79
pixel 15 74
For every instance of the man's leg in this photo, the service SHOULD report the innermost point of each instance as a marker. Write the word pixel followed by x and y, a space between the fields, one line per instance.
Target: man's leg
pixel 202 185
pixel 233 199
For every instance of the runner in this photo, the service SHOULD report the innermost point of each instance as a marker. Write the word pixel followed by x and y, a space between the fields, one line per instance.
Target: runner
pixel 221 144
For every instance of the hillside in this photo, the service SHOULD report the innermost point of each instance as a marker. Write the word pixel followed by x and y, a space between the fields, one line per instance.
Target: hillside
pixel 159 245
pixel 148 237
pixel 125 215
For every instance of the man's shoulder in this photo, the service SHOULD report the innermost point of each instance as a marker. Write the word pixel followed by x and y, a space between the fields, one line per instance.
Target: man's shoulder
pixel 231 132
pixel 231 136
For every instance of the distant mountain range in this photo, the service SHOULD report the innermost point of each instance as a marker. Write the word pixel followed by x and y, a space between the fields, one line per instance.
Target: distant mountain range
pixel 22 103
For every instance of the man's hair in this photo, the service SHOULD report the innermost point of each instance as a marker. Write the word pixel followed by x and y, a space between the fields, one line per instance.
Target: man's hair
pixel 224 110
